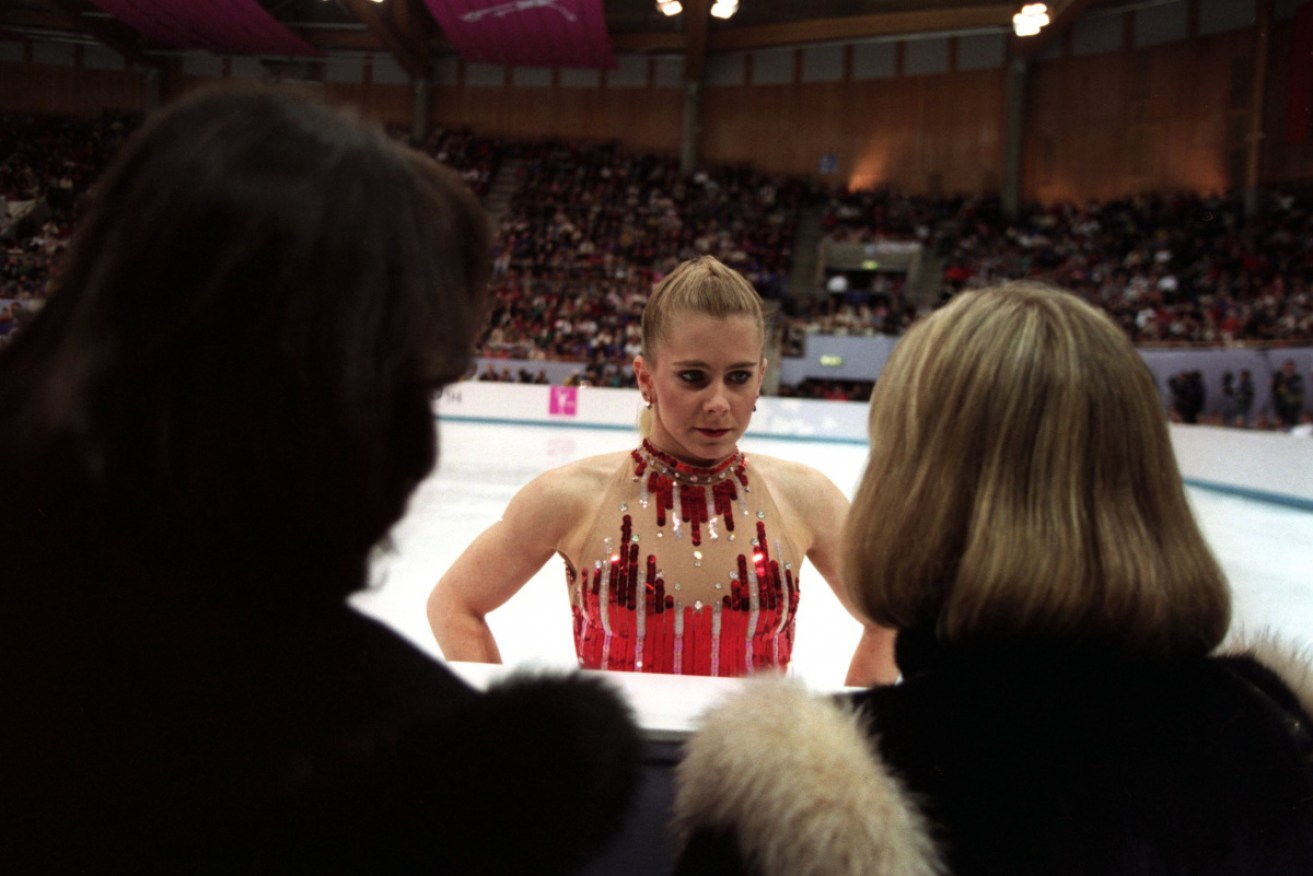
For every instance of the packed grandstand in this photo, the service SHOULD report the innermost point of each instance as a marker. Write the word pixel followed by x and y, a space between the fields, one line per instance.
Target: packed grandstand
pixel 584 229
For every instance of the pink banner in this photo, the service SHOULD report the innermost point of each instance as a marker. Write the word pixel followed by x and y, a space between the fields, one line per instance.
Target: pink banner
pixel 221 26
pixel 527 33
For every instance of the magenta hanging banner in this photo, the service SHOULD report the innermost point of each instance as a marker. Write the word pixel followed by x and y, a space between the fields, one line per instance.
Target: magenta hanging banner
pixel 527 33
pixel 238 27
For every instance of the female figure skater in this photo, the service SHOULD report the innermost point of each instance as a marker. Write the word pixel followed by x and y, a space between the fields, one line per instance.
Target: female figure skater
pixel 682 555
pixel 222 409
pixel 1022 523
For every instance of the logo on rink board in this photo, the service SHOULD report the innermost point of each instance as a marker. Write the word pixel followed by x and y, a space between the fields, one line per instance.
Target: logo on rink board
pixel 564 401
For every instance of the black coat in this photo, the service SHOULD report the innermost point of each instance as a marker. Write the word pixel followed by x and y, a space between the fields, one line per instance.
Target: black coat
pixel 147 738
pixel 1038 759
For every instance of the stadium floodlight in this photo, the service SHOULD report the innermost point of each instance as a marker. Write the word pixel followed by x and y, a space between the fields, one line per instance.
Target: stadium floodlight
pixel 1031 18
pixel 724 8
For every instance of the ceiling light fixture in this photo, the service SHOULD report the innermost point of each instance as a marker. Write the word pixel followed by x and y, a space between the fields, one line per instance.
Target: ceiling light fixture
pixel 670 7
pixel 724 8
pixel 1031 18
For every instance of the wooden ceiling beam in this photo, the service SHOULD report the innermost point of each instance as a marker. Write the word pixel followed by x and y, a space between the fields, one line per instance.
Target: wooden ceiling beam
pixel 648 42
pixel 362 40
pixel 41 19
pixel 406 30
pixel 109 32
pixel 862 27
pixel 697 15
pixel 403 46
pixel 413 17
pixel 820 30
pixel 329 38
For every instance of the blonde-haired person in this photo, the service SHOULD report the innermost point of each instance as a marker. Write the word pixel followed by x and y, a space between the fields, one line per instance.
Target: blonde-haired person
pixel 1023 524
pixel 682 555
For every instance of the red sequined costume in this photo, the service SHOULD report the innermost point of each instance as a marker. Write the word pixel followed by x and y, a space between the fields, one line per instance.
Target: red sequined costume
pixel 681 575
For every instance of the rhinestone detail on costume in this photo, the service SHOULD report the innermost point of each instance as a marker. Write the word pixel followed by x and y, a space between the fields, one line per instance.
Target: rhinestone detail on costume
pixel 735 612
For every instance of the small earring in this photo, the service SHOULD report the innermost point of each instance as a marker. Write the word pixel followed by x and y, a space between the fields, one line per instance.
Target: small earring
pixel 754 407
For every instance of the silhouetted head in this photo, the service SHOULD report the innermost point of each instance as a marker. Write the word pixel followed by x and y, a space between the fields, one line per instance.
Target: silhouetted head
pixel 235 370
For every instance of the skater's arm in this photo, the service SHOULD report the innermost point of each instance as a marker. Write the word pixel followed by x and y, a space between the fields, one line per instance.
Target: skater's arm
pixel 873 659
pixel 825 508
pixel 495 566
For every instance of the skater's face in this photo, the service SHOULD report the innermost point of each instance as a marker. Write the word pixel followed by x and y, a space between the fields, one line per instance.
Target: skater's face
pixel 702 382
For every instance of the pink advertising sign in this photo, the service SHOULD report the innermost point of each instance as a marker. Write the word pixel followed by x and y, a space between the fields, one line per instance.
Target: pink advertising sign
pixel 564 401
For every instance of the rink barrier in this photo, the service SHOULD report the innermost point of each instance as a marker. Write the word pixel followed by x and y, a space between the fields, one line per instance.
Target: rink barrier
pixel 861 358
pixel 596 407
pixel 1271 467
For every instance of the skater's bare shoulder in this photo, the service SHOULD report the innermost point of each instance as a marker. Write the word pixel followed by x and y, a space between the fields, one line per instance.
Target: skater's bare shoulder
pixel 811 503
pixel 559 499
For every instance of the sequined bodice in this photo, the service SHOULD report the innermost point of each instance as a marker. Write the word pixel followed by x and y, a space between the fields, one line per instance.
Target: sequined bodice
pixel 685 570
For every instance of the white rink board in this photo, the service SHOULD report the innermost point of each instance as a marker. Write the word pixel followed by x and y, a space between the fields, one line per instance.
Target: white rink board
pixel 1263 465
pixel 601 407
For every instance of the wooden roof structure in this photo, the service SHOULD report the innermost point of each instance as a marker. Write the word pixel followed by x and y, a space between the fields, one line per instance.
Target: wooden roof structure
pixel 408 31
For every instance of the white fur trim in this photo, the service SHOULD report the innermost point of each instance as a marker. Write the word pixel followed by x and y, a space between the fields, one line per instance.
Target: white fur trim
pixel 1293 664
pixel 795 777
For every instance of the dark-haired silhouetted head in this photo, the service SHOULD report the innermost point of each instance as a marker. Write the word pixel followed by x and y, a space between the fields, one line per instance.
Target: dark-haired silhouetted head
pixel 234 372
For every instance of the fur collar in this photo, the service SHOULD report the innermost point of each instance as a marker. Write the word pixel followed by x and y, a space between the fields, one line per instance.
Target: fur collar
pixel 1292 664
pixel 794 776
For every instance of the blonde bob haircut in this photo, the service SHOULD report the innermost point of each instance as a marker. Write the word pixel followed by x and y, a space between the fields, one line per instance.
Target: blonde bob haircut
pixel 1022 483
pixel 702 285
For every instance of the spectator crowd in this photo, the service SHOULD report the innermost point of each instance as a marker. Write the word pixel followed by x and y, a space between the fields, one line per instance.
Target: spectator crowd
pixel 590 228
pixel 1171 269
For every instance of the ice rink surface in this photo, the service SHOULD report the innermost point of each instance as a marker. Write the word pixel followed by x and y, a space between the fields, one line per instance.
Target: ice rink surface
pixel 1265 549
